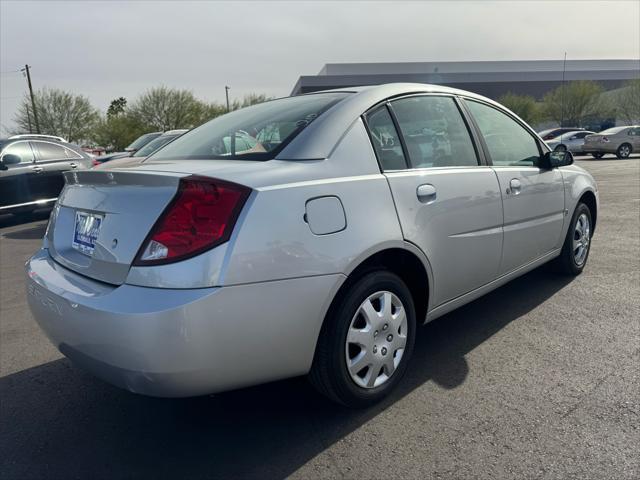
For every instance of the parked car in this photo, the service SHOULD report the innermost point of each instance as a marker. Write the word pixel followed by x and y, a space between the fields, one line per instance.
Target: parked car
pixel 38 136
pixel 31 172
pixel 359 215
pixel 621 141
pixel 572 141
pixel 554 132
pixel 137 157
pixel 136 145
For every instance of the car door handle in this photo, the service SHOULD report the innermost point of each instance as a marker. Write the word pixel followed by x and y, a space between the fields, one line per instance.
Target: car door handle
pixel 426 193
pixel 515 186
pixel 73 165
pixel 37 169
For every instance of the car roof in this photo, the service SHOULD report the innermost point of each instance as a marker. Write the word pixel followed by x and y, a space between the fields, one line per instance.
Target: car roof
pixel 178 131
pixel 319 138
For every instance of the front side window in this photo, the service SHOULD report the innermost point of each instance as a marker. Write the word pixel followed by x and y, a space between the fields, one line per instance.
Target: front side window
pixel 50 151
pixel 434 132
pixel 385 139
pixel 21 149
pixel 258 132
pixel 509 143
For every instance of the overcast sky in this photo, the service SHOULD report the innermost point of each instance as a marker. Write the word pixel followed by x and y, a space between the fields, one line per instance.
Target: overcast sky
pixel 109 49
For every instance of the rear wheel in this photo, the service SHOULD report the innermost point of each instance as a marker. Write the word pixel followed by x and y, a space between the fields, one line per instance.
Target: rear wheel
pixel 577 243
pixel 366 341
pixel 623 151
pixel 561 148
pixel 598 155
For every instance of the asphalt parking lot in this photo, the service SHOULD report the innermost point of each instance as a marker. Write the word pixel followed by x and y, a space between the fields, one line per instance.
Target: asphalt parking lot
pixel 539 379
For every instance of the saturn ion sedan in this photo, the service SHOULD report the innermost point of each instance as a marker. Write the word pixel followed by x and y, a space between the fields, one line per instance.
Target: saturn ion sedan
pixel 305 235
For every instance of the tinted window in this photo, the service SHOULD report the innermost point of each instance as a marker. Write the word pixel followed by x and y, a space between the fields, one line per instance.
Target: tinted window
pixel 21 149
pixel 140 142
pixel 252 133
pixel 635 132
pixel 154 145
pixel 508 141
pixel 582 134
pixel 50 151
pixel 72 153
pixel 385 139
pixel 434 132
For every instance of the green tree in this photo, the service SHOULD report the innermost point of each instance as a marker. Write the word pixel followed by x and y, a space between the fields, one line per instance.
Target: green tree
pixel 573 103
pixel 116 132
pixel 248 100
pixel 117 106
pixel 164 108
pixel 59 113
pixel 524 106
pixel 627 102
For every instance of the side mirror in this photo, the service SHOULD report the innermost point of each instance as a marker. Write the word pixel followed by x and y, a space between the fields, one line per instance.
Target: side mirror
pixel 10 159
pixel 556 159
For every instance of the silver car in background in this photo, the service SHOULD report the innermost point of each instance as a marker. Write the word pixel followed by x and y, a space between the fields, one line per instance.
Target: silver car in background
pixel 621 141
pixel 570 141
pixel 305 235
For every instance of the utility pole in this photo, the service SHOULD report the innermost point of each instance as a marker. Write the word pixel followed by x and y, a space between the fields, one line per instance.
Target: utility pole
pixel 33 100
pixel 226 92
pixel 564 69
pixel 29 120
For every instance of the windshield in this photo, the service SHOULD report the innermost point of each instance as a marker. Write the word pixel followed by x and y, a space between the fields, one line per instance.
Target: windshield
pixel 258 132
pixel 140 142
pixel 612 131
pixel 154 145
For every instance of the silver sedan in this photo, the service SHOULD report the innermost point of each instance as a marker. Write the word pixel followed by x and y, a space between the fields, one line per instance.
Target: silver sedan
pixel 305 235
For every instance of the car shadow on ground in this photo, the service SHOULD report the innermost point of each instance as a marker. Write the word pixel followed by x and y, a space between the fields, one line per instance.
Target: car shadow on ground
pixel 59 422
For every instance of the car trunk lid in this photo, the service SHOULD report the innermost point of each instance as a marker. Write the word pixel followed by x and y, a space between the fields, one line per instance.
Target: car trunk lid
pixel 127 205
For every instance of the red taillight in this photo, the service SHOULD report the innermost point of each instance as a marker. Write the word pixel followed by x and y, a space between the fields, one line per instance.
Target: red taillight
pixel 95 162
pixel 201 216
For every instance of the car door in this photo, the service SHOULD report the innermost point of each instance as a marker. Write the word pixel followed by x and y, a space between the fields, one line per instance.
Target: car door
pixel 577 140
pixel 448 203
pixel 634 137
pixel 54 161
pixel 533 197
pixel 18 181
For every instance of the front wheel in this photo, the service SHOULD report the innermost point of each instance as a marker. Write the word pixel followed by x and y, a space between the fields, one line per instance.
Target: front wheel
pixel 577 243
pixel 623 151
pixel 560 148
pixel 366 341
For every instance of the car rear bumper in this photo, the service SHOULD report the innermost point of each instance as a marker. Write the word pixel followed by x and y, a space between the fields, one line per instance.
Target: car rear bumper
pixel 600 148
pixel 175 343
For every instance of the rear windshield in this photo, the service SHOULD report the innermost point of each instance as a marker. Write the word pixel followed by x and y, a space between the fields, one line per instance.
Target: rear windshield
pixel 143 140
pixel 154 145
pixel 612 131
pixel 258 132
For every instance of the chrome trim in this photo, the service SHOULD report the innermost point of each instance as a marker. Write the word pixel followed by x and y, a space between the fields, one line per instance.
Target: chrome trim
pixel 26 204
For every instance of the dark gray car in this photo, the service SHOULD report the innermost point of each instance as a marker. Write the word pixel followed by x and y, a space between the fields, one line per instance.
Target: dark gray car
pixel 31 172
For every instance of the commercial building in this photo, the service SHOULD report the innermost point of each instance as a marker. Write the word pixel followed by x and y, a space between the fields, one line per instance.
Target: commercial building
pixel 491 79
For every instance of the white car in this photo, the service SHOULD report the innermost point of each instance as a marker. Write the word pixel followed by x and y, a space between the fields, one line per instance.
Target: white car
pixel 570 141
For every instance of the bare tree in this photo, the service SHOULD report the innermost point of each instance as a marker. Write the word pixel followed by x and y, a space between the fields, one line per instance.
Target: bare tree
pixel 164 108
pixel 60 113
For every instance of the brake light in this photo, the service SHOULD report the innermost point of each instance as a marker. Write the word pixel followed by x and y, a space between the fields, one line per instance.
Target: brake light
pixel 201 216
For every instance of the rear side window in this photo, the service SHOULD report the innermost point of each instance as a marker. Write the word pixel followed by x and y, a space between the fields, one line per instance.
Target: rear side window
pixel 434 132
pixel 50 151
pixel 385 139
pixel 509 143
pixel 258 132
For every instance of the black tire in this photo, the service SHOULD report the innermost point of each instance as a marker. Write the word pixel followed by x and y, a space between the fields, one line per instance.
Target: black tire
pixel 560 148
pixel 329 372
pixel 624 151
pixel 566 263
pixel 598 155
